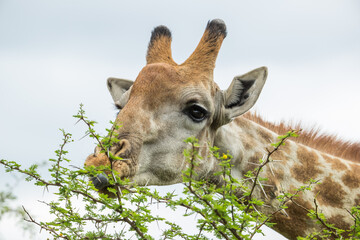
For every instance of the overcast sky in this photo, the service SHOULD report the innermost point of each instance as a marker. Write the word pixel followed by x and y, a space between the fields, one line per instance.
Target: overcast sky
pixel 56 54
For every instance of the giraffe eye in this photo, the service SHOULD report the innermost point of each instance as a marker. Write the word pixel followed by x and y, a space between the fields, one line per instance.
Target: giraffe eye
pixel 196 113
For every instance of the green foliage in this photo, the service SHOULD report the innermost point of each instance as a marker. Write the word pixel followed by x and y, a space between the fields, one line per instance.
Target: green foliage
pixel 227 209
pixel 7 209
pixel 6 197
pixel 329 230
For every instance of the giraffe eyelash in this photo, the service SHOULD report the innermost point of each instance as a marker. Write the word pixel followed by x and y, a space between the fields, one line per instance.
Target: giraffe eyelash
pixel 117 106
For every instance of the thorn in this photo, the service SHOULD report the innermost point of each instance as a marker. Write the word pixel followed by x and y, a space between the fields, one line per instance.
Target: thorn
pixel 74 166
pixel 270 166
pixel 284 212
pixel 147 182
pixel 268 185
pixel 157 223
pixel 256 164
pixel 77 121
pixel 260 184
pixel 251 178
pixel 242 197
pixel 256 209
pixel 87 134
pixel 268 151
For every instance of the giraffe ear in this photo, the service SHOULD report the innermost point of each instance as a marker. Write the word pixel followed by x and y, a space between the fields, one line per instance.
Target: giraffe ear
pixel 118 89
pixel 243 92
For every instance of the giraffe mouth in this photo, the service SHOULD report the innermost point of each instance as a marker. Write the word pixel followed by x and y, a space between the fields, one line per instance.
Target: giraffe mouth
pixel 100 181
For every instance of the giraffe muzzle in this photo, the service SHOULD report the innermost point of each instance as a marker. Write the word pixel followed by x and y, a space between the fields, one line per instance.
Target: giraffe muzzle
pixel 127 148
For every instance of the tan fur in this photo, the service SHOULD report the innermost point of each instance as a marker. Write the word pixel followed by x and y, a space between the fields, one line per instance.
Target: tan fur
pixel 308 166
pixel 205 54
pixel 352 177
pixel 313 137
pixel 159 51
pixel 330 193
pixel 335 163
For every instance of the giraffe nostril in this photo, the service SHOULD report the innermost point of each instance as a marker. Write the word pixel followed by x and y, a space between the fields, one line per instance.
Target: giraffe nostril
pixel 125 148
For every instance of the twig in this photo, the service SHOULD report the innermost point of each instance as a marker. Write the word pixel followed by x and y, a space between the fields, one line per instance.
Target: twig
pixel 263 165
pixel 67 136
pixel 201 228
pixel 189 186
pixel 31 220
pixel 257 175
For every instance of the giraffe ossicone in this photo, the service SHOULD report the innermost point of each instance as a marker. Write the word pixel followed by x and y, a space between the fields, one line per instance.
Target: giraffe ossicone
pixel 169 102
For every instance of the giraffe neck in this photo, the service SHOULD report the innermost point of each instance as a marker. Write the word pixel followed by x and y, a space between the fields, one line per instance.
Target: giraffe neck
pixel 294 165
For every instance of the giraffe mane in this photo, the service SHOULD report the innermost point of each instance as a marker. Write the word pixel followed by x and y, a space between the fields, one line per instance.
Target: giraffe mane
pixel 312 137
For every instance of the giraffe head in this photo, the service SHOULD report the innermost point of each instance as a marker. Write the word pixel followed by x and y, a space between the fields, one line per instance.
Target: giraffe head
pixel 167 103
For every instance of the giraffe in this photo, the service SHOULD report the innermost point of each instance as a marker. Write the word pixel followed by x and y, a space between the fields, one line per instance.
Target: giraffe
pixel 169 102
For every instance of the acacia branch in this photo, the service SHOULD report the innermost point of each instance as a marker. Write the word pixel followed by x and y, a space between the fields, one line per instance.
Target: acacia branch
pixel 267 160
pixel 317 216
pixel 31 220
pixel 34 176
pixel 280 208
pixel 118 188
pixel 257 175
pixel 189 186
pixel 106 151
pixel 66 139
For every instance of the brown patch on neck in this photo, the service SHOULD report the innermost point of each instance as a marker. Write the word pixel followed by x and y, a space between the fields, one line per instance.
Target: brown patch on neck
pixel 336 163
pixel 248 143
pixel 255 159
pixel 351 178
pixel 278 172
pixel 248 140
pixel 338 221
pixel 357 200
pixel 313 138
pixel 280 154
pixel 330 193
pixel 296 224
pixel 307 167
pixel 265 136
pixel 274 181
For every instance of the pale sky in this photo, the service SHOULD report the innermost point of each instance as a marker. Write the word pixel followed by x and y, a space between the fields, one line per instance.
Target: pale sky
pixel 56 54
